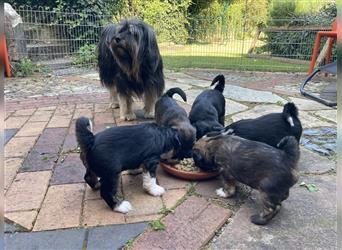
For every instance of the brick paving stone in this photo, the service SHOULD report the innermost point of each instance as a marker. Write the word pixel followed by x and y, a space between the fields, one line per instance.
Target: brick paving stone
pixel 202 220
pixel 15 121
pixel 142 202
pixel 37 161
pixel 171 197
pixel 8 114
pixel 23 218
pixel 101 107
pixel 24 112
pixel 41 116
pixel 207 188
pixel 113 237
pixel 48 108
pixel 307 220
pixel 9 133
pixel 59 121
pixel 104 118
pixel 142 218
pixel 52 240
pixel 70 170
pixel 89 106
pixel 65 110
pixel 70 143
pixel 97 212
pixel 51 139
pixel 170 182
pixel 11 167
pixel 31 129
pixel 61 207
pixel 27 191
pixel 91 194
pixel 83 112
pixel 19 146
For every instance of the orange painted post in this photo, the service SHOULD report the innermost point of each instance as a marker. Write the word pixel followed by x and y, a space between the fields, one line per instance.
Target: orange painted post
pixel 6 60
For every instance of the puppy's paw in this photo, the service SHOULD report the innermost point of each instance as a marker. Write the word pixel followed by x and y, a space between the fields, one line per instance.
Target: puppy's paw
pixel 123 207
pixel 128 117
pixel 221 193
pixel 114 105
pixel 148 115
pixel 156 190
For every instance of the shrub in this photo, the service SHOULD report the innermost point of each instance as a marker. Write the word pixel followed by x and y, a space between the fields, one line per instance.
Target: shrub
pixel 25 68
pixel 86 55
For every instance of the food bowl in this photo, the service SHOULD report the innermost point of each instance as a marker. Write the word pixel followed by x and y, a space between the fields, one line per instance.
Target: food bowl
pixel 186 175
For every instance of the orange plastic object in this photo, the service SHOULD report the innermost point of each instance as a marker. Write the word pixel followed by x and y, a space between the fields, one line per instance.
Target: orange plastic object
pixel 333 35
pixel 3 49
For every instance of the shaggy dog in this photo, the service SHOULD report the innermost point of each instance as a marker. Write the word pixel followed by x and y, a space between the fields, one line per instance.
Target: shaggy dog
pixel 130 66
pixel 270 128
pixel 208 110
pixel 271 171
pixel 170 114
pixel 116 149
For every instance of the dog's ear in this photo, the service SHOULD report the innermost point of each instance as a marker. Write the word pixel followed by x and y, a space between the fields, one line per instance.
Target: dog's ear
pixel 196 155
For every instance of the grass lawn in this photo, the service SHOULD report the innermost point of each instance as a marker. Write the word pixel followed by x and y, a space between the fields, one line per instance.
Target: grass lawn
pixel 230 55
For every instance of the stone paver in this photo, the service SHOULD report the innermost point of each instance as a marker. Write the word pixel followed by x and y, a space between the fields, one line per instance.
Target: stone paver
pixel 97 212
pixel 142 218
pixel 101 107
pixel 104 118
pixel 11 167
pixel 23 218
pixel 170 182
pixel 41 116
pixel 70 143
pixel 190 96
pixel 302 223
pixel 52 240
pixel 9 133
pixel 307 104
pixel 202 219
pixel 27 191
pixel 249 95
pixel 24 112
pixel 113 237
pixel 330 115
pixel 37 161
pixel 32 129
pixel 61 207
pixel 69 170
pixel 59 121
pixel 83 112
pixel 142 202
pixel 171 197
pixel 15 122
pixel 234 107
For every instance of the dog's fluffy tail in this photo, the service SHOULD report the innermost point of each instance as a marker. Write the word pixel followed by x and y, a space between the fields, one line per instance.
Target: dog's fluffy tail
pixel 290 146
pixel 84 134
pixel 290 111
pixel 173 91
pixel 221 81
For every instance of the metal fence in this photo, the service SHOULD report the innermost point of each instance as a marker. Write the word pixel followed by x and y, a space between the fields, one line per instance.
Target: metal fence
pixel 69 38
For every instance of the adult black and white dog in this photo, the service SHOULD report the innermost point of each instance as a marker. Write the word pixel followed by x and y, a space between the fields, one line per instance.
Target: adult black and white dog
pixel 116 149
pixel 270 128
pixel 208 110
pixel 170 114
pixel 130 66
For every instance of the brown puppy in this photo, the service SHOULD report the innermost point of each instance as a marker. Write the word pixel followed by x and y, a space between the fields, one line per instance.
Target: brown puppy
pixel 270 170
pixel 168 113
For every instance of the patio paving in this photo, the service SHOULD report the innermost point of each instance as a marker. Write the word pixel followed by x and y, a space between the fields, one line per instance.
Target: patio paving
pixel 45 190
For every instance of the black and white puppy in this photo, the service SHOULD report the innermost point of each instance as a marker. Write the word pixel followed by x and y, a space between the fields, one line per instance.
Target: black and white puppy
pixel 270 128
pixel 168 113
pixel 272 171
pixel 208 110
pixel 116 149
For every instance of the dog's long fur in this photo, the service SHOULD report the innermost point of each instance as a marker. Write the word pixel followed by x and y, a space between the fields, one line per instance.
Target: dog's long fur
pixel 270 170
pixel 115 149
pixel 270 128
pixel 130 65
pixel 208 110
pixel 169 113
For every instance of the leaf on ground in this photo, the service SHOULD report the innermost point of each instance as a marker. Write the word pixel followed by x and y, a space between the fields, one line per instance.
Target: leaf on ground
pixel 311 187
pixel 157 225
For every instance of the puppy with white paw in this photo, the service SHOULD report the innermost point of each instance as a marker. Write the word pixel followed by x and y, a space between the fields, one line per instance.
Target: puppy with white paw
pixel 108 153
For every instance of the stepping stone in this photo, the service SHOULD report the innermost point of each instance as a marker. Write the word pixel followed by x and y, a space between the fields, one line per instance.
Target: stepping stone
pixel 173 84
pixel 190 95
pixel 330 115
pixel 234 107
pixel 306 104
pixel 52 240
pixel 307 220
pixel 191 226
pixel 249 95
pixel 9 133
pixel 113 237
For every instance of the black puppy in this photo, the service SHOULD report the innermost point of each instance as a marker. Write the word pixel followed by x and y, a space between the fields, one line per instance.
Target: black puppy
pixel 270 128
pixel 208 110
pixel 116 149
pixel 272 171
pixel 168 113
